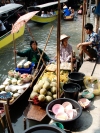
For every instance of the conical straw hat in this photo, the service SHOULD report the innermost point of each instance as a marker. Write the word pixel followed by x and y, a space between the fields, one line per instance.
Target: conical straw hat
pixel 63 36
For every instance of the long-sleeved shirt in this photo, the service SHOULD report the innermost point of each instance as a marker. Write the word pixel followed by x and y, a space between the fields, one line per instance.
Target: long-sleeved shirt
pixel 33 56
pixel 65 53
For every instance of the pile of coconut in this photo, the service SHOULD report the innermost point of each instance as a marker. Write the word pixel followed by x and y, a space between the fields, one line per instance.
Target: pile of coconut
pixel 64 111
pixel 45 90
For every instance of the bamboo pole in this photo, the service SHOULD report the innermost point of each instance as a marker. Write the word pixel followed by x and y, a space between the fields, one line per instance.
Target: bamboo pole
pixel 8 118
pixel 96 20
pixel 24 121
pixel 14 50
pixel 58 50
pixel 41 56
pixel 2 123
pixel 72 64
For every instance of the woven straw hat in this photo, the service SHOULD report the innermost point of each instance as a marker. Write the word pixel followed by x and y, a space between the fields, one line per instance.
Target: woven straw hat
pixel 63 36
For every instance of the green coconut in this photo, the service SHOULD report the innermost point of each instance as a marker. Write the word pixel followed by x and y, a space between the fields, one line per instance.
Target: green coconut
pixel 36 88
pixel 49 93
pixel 53 90
pixel 43 91
pixel 41 98
pixel 53 84
pixel 33 94
pixel 46 85
pixel 54 96
pixel 48 99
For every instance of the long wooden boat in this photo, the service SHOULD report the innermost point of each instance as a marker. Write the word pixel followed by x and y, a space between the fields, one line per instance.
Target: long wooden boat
pixel 8 37
pixel 44 20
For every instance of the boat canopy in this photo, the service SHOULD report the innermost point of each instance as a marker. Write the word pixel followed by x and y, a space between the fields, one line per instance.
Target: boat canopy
pixel 9 7
pixel 49 4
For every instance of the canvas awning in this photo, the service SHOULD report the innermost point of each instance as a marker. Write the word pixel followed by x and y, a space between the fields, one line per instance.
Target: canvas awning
pixel 9 7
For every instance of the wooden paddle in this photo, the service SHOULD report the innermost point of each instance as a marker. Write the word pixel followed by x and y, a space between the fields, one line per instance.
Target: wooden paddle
pixel 41 56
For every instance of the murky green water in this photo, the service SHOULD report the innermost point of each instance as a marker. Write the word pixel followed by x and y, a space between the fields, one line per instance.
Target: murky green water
pixel 40 33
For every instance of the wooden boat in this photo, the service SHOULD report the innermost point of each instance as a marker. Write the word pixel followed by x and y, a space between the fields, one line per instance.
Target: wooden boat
pixel 27 87
pixel 8 37
pixel 68 18
pixel 44 20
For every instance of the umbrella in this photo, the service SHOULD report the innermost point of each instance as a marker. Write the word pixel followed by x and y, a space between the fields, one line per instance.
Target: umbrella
pixel 22 20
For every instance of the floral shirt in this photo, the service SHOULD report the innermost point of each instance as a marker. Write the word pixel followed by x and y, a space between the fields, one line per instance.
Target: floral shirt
pixel 65 53
pixel 93 37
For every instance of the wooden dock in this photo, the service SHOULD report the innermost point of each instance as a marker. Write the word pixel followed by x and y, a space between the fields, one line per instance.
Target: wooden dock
pixel 91 68
pixel 89 121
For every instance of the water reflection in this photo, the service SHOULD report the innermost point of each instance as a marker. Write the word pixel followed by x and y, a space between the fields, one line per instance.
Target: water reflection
pixel 40 34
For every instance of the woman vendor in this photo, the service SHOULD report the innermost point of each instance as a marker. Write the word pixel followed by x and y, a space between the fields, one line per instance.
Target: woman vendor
pixel 33 54
pixel 65 49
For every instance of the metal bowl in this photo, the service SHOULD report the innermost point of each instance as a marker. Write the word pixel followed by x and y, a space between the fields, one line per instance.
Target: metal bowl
pixel 75 105
pixel 44 128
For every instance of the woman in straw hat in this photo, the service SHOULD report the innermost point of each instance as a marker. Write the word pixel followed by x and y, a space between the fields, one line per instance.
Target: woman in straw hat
pixel 65 49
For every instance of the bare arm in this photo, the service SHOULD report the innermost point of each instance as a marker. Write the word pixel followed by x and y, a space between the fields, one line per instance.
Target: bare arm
pixel 84 44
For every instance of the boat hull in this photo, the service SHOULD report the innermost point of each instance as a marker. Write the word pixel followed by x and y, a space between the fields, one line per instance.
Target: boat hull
pixel 8 37
pixel 69 18
pixel 43 20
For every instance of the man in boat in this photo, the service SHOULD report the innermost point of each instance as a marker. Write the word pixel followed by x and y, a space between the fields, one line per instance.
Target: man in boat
pixel 90 46
pixel 33 54
pixel 66 11
pixel 43 14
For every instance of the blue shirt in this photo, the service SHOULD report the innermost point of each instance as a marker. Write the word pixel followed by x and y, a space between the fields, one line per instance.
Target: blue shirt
pixel 94 38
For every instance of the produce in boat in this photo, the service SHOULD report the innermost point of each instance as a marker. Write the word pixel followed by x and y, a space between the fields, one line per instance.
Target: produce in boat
pixel 2 92
pixel 64 111
pixel 41 98
pixel 53 90
pixel 8 80
pixel 36 88
pixel 5 83
pixel 27 64
pixel 61 116
pixel 43 91
pixel 2 87
pixel 20 91
pixel 14 81
pixel 26 77
pixel 20 64
pixel 7 89
pixel 54 96
pixel 33 94
pixel 20 82
pixel 15 95
pixel 48 99
pixel 53 84
pixel 46 85
pixel 67 105
pixel 49 93
pixel 14 90
pixel 57 108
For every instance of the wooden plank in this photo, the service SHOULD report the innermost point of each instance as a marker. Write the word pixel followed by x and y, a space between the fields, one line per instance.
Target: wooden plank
pixel 96 72
pixel 87 68
pixel 35 112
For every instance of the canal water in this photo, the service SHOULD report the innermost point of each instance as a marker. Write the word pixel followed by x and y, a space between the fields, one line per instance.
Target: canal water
pixel 40 34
